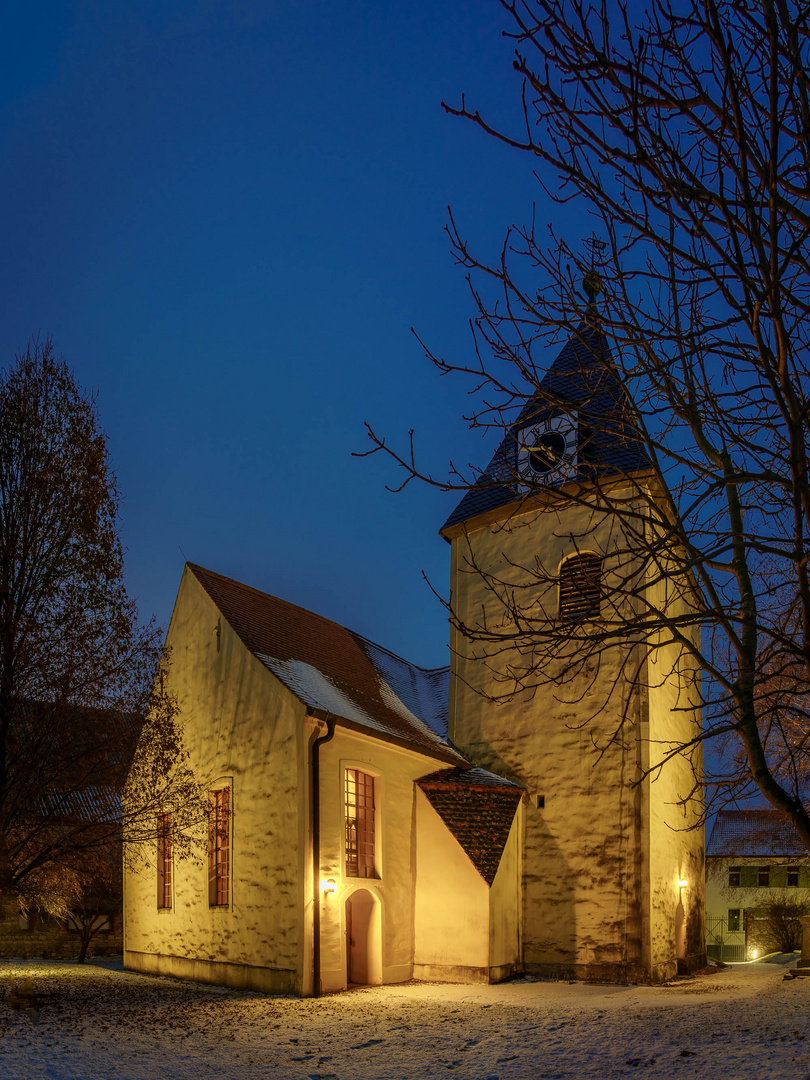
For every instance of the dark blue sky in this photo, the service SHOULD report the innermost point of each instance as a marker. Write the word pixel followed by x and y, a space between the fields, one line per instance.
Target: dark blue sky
pixel 228 215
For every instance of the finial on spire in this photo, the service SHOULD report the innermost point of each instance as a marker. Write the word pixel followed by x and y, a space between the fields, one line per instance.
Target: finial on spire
pixel 592 282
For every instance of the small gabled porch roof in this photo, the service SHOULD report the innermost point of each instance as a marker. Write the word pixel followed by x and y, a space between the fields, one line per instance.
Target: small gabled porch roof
pixel 478 808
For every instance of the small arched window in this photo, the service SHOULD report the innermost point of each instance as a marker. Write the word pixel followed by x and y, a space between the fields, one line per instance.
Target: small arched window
pixel 580 588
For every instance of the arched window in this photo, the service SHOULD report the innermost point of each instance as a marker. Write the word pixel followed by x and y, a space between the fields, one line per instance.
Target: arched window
pixel 580 588
pixel 360 860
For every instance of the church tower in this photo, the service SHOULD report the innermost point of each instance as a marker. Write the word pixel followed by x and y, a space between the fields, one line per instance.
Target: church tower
pixel 548 556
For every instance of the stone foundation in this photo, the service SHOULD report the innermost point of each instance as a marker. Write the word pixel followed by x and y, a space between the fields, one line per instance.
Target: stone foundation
pixel 236 976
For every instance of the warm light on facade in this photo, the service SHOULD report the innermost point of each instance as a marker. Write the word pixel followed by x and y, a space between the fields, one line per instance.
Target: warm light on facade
pixel 329 886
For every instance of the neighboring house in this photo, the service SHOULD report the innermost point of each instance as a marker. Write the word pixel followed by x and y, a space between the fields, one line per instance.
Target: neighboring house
pixel 371 821
pixel 752 858
pixel 68 767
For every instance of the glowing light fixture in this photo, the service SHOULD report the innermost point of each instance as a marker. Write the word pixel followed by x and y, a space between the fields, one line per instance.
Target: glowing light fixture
pixel 754 954
pixel 683 883
pixel 329 886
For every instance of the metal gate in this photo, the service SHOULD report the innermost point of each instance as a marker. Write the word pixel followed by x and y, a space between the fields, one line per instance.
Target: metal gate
pixel 722 943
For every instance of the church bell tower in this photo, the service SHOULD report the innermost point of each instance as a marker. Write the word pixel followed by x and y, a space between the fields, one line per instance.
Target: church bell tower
pixel 543 691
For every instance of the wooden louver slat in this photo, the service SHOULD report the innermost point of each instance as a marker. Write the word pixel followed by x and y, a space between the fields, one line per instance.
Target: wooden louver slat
pixel 580 588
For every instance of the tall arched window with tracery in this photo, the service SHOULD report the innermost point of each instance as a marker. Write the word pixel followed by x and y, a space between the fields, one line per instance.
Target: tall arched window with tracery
pixel 580 587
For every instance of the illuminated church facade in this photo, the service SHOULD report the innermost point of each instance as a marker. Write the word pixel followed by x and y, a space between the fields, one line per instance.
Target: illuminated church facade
pixel 373 822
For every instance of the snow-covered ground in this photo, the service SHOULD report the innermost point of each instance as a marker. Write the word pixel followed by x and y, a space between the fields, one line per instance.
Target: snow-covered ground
pixel 98 1022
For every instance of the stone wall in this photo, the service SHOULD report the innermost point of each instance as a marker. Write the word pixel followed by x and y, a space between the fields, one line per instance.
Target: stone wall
pixel 43 936
pixel 612 868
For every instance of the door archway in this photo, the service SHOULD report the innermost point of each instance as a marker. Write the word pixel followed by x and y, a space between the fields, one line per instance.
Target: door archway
pixel 363 939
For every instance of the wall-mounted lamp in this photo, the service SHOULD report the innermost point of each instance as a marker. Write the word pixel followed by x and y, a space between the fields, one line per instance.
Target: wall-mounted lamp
pixel 754 953
pixel 683 883
pixel 329 886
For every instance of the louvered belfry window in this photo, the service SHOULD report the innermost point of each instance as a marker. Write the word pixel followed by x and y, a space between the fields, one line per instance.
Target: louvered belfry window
pixel 219 836
pixel 164 860
pixel 580 588
pixel 359 824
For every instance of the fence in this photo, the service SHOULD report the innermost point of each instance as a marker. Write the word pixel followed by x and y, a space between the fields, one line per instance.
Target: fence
pixel 722 943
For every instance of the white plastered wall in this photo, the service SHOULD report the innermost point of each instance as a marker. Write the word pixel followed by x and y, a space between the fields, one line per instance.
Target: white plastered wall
pixel 244 728
pixel 586 852
pixel 452 931
pixel 394 769
pixel 675 840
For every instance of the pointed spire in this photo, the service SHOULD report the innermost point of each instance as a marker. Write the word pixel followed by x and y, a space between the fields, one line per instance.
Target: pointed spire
pixel 580 396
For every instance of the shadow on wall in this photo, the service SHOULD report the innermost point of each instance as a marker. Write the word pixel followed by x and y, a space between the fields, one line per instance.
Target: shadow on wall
pixel 695 948
pixel 549 911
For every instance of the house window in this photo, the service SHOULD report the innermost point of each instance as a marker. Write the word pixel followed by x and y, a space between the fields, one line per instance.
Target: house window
pixel 164 860
pixel 764 877
pixel 219 828
pixel 359 824
pixel 580 588
pixel 734 876
pixel 793 877
pixel 734 918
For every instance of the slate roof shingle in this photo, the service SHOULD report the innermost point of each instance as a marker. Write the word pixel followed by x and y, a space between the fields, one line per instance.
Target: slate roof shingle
pixel 337 671
pixel 582 380
pixel 478 808
pixel 752 834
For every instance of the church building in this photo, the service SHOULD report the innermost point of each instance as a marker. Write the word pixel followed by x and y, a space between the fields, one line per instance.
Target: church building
pixel 373 822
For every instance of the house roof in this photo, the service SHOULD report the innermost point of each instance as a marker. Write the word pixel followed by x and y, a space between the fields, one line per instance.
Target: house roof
pixel 70 762
pixel 582 380
pixel 335 671
pixel 753 833
pixel 478 808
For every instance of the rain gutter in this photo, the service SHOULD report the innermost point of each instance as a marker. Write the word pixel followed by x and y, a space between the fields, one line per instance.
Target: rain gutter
pixel 316 853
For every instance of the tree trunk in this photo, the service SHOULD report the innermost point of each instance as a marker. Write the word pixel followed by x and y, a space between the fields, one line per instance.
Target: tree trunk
pixel 86 937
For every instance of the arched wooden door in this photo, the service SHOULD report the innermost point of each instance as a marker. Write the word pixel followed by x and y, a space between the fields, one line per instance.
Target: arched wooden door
pixel 362 945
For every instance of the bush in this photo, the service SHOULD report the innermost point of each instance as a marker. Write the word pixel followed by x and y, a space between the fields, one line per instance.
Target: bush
pixel 782 925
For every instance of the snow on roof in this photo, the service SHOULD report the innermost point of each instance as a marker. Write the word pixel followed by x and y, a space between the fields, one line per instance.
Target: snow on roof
pixel 753 833
pixel 334 670
pixel 474 777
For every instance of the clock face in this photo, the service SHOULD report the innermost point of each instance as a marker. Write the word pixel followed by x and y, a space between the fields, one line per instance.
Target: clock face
pixel 547 451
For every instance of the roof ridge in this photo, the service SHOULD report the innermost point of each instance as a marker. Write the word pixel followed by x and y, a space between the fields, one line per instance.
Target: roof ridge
pixel 333 669
pixel 196 569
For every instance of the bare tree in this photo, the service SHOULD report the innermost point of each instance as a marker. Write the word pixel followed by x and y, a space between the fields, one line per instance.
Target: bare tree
pixel 682 137
pixel 83 890
pixel 77 670
pixel 782 916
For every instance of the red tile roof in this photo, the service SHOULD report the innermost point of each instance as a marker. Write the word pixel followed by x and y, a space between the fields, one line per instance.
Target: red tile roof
pixel 335 671
pixel 478 808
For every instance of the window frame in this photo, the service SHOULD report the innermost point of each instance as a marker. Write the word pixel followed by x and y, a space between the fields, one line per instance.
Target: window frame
pixel 792 872
pixel 734 920
pixel 734 872
pixel 763 872
pixel 220 846
pixel 353 864
pixel 165 864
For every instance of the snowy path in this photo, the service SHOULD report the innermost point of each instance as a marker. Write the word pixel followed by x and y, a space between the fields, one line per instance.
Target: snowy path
pixel 96 1023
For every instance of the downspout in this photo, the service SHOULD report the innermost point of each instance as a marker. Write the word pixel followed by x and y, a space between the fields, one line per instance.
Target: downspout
pixel 316 854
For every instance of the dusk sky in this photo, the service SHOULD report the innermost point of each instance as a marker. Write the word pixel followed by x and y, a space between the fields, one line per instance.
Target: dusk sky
pixel 228 216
